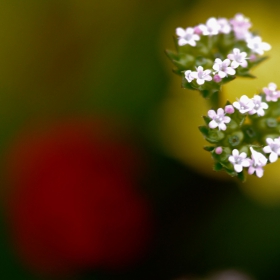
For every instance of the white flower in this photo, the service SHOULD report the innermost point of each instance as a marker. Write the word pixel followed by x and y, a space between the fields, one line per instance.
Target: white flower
pixel 218 119
pixel 239 160
pixel 273 148
pixel 187 36
pixel 244 104
pixel 258 106
pixel 222 67
pixel 224 24
pixel 238 58
pixel 272 94
pixel 240 26
pixel 188 76
pixel 257 46
pixel 212 27
pixel 201 75
pixel 257 162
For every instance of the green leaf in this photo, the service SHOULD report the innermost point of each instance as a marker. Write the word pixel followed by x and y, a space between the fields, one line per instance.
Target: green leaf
pixel 259 60
pixel 209 148
pixel 228 79
pixel 241 176
pixel 245 73
pixel 206 93
pixel 172 55
pixel 207 119
pixel 187 85
pixel 217 166
pixel 204 130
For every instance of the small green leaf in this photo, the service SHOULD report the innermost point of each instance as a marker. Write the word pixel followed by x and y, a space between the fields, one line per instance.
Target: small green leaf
pixel 172 55
pixel 207 119
pixel 209 148
pixel 217 166
pixel 204 130
pixel 241 176
pixel 259 60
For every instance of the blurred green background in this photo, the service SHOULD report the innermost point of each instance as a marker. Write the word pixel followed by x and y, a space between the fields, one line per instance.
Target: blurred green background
pixel 75 58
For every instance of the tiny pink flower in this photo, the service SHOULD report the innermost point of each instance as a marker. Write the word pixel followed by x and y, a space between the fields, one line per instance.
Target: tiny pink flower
pixel 238 58
pixel 257 46
pixel 244 104
pixel 201 75
pixel 258 106
pixel 252 57
pixel 271 92
pixel 197 30
pixel 217 78
pixel 218 119
pixel 229 109
pixel 273 148
pixel 218 150
pixel 222 67
pixel 225 26
pixel 239 160
pixel 240 26
pixel 187 36
pixel 211 27
pixel 257 162
pixel 188 76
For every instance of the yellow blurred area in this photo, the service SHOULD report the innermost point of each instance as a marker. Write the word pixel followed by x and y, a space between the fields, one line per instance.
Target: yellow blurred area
pixel 182 111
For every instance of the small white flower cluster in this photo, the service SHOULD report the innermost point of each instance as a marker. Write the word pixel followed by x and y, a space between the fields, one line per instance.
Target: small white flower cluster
pixel 257 161
pixel 246 105
pixel 243 105
pixel 239 25
pixel 222 68
pixel 255 164
pixel 250 105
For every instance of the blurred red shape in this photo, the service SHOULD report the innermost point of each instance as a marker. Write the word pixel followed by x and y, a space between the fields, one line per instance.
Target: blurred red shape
pixel 75 201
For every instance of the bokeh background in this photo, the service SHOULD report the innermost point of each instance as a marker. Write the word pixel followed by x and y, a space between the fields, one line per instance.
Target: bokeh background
pixel 103 174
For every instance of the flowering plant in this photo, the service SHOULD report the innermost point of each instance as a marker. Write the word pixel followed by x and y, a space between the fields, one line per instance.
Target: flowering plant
pixel 245 134
pixel 212 54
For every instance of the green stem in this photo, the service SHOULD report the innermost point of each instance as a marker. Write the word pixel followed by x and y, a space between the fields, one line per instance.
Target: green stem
pixel 214 100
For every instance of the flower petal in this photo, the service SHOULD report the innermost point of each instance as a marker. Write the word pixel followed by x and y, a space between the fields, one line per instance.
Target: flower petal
pixel 273 157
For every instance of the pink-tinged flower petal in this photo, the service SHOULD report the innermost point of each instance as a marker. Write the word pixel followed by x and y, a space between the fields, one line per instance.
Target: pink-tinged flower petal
pixel 231 159
pixel 273 157
pixel 208 78
pixel 251 170
pixel 211 114
pixel 244 63
pixel 234 64
pixel 246 162
pixel 230 71
pixel 264 105
pixel 227 119
pixel 222 74
pixel 267 149
pixel 243 155
pixel 222 126
pixel 238 168
pixel 235 152
pixel 180 32
pixel 200 81
pixel 213 124
pixel 194 75
pixel 259 172
pixel 236 105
